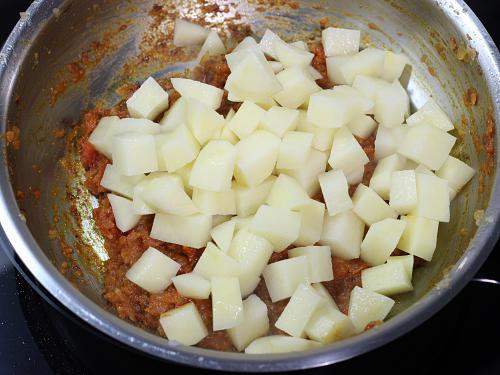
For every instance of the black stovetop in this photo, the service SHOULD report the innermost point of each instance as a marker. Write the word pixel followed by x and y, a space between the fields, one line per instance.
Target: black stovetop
pixel 37 338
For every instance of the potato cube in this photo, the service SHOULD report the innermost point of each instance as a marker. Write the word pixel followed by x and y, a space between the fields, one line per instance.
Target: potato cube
pixel 249 199
pixel 287 193
pixel 311 223
pixel 114 181
pixel 382 175
pixel 455 171
pixel 188 33
pixel 291 56
pixel 330 109
pixel 387 279
pixel 406 260
pixel 391 104
pixel 283 277
pixel 192 231
pixel 319 259
pixel 250 251
pixel 185 173
pixel 242 222
pixel 215 203
pixel 388 140
pixel 153 271
pixel 242 52
pixel 362 126
pixel 322 137
pixel 433 198
pixel 175 116
pixel 209 95
pixel 403 194
pixel 255 323
pixel 346 154
pixel 176 149
pixel 369 86
pixel 247 42
pixel 280 344
pixel 364 105
pixel 192 285
pixel 277 225
pixel 101 137
pixel 227 306
pixel 366 306
pixel 298 311
pixel 246 119
pixel 148 101
pixel 419 237
pixel 212 46
pixel 328 301
pixel 134 153
pixel 337 41
pixel 335 192
pixel 343 233
pixel 370 207
pixel 427 145
pixel 368 62
pixel 394 64
pixel 279 120
pixel 276 66
pixel 256 158
pixel 184 324
pixel 333 69
pixel 356 176
pixel 381 240
pixel 223 233
pixel 297 87
pixel 139 206
pixel 203 122
pixel 214 262
pixel 266 44
pixel 123 213
pixel 329 325
pixel 431 113
pixel 315 75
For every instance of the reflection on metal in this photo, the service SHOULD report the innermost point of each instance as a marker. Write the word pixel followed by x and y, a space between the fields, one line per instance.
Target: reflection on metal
pixel 487 281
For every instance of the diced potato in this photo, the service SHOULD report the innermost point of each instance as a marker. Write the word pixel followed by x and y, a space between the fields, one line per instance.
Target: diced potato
pixel 185 173
pixel 424 170
pixel 214 262
pixel 330 109
pixel 249 199
pixel 205 124
pixel 381 240
pixel 242 222
pixel 228 135
pixel 148 101
pixel 298 311
pixel 280 344
pixel 187 33
pixel 134 153
pixel 238 55
pixel 223 234
pixel 276 66
pixel 315 75
pixel 382 175
pixel 291 56
pixel 256 158
pixel 184 324
pixel 311 223
pixel 140 207
pixel 176 149
pixel 124 215
pixel 335 192
pixel 455 171
pixel 356 176
pixel 427 145
pixel 337 41
pixel 227 306
pixel 153 271
pixel 252 252
pixel 329 325
pixel 114 181
pixel 102 135
pixel 364 105
pixel 175 116
pixel 362 126
pixel 322 137
pixel 246 119
pixel 212 46
pixel 283 277
pixel 369 86
pixel 215 203
pixel 287 193
pixel 370 207
pixel 333 65
pixel 219 219
pixel 279 120
pixel 406 260
pixel 343 233
pixel 328 301
pixel 387 279
pixel 297 87
pixel 431 113
pixel 209 95
pixel 368 62
pixel 267 43
pixel 394 64
pixel 366 306
pixel 192 285
pixel 433 198
pixel 294 150
pixel 347 154
pixel 391 104
pixel 247 42
pixel 192 231
pixel 255 323
pixel 419 237
pixel 403 194
pixel 213 169
pixel 388 140
pixel 279 226
pixel 319 259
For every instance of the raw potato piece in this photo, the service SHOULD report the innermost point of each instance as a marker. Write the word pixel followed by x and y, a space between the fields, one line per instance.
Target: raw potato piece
pixel 276 66
pixel 213 169
pixel 184 324
pixel 205 124
pixel 227 306
pixel 319 259
pixel 153 271
pixel 223 234
pixel 134 153
pixel 249 199
pixel 279 120
pixel 333 69
pixel 331 109
pixel 335 192
pixel 311 223
pixel 364 105
pixel 209 95
pixel 114 181
pixel 343 233
pixel 297 87
pixel 366 306
pixel 212 46
pixel 368 62
pixel 187 33
pixel 176 149
pixel 369 86
pixel 246 120
pixel 280 344
pixel 291 56
pixel 325 294
pixel 215 203
pixel 267 42
pixel 456 172
pixel 419 237
pixel 432 114
pixel 148 101
pixel 394 64
pixel 356 176
pixel 101 136
pixel 382 175
pixel 328 325
pixel 192 231
pixel 370 207
pixel 283 277
pixel 175 116
pixel 140 207
pixel 254 324
pixel 406 260
pixel 346 154
pixel 391 104
pixel 247 42
pixel 403 194
pixel 294 150
pixel 338 41
pixel 192 285
pixel 362 126
pixel 387 279
pixel 433 198
pixel 388 140
pixel 322 137
pixel 123 213
pixel 381 240
pixel 213 262
pixel 287 193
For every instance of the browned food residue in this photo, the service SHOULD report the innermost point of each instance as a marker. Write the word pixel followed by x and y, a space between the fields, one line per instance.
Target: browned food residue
pixel 373 26
pixel 324 23
pixel 12 137
pixel 470 97
pixel 58 133
pixel 319 63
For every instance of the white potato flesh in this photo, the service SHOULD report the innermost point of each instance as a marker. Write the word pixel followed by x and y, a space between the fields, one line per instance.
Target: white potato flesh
pixel 315 75
pixel 311 223
pixel 290 55
pixel 279 226
pixel 335 192
pixel 381 240
pixel 329 109
pixel 240 54
pixel 319 259
pixel 279 120
pixel 134 153
pixel 370 207
pixel 255 323
pixel 283 277
pixel 294 150
pixel 433 198
pixel 267 42
pixel 249 199
pixel 136 125
pixel 456 172
pixel 242 222
pixel 184 324
pixel 328 325
pixel 247 42
pixel 391 104
pixel 213 169
pixel 123 213
pixel 427 145
pixel 148 101
pixel 102 135
pixel 369 86
pixel 187 33
pixel 300 44
pixel 356 176
pixel 256 158
pixel 382 175
pixel 185 173
pixel 276 66
pixel 228 135
pixel 209 95
pixel 368 62
pixel 333 65
pixel 153 271
pixel 419 237
pixel 214 262
pixel 215 203
pixel 364 105
pixel 322 137
pixel 366 306
pixel 394 64
pixel 337 41
pixel 117 183
pixel 192 285
pixel 280 344
pixel 219 219
pixel 387 140
pixel 287 193
pixel 328 301
pixel 175 116
pixel 140 207
pixel 297 87
pixel 303 303
pixel 246 119
pixel 362 126
pixel 227 306
pixel 343 233
pixel 403 194
pixel 222 234
pixel 406 260
pixel 205 124
pixel 387 279
pixel 192 231
pixel 431 113
pixel 176 149
pixel 212 46
pixel 346 154
pixel 424 170
pixel 252 252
